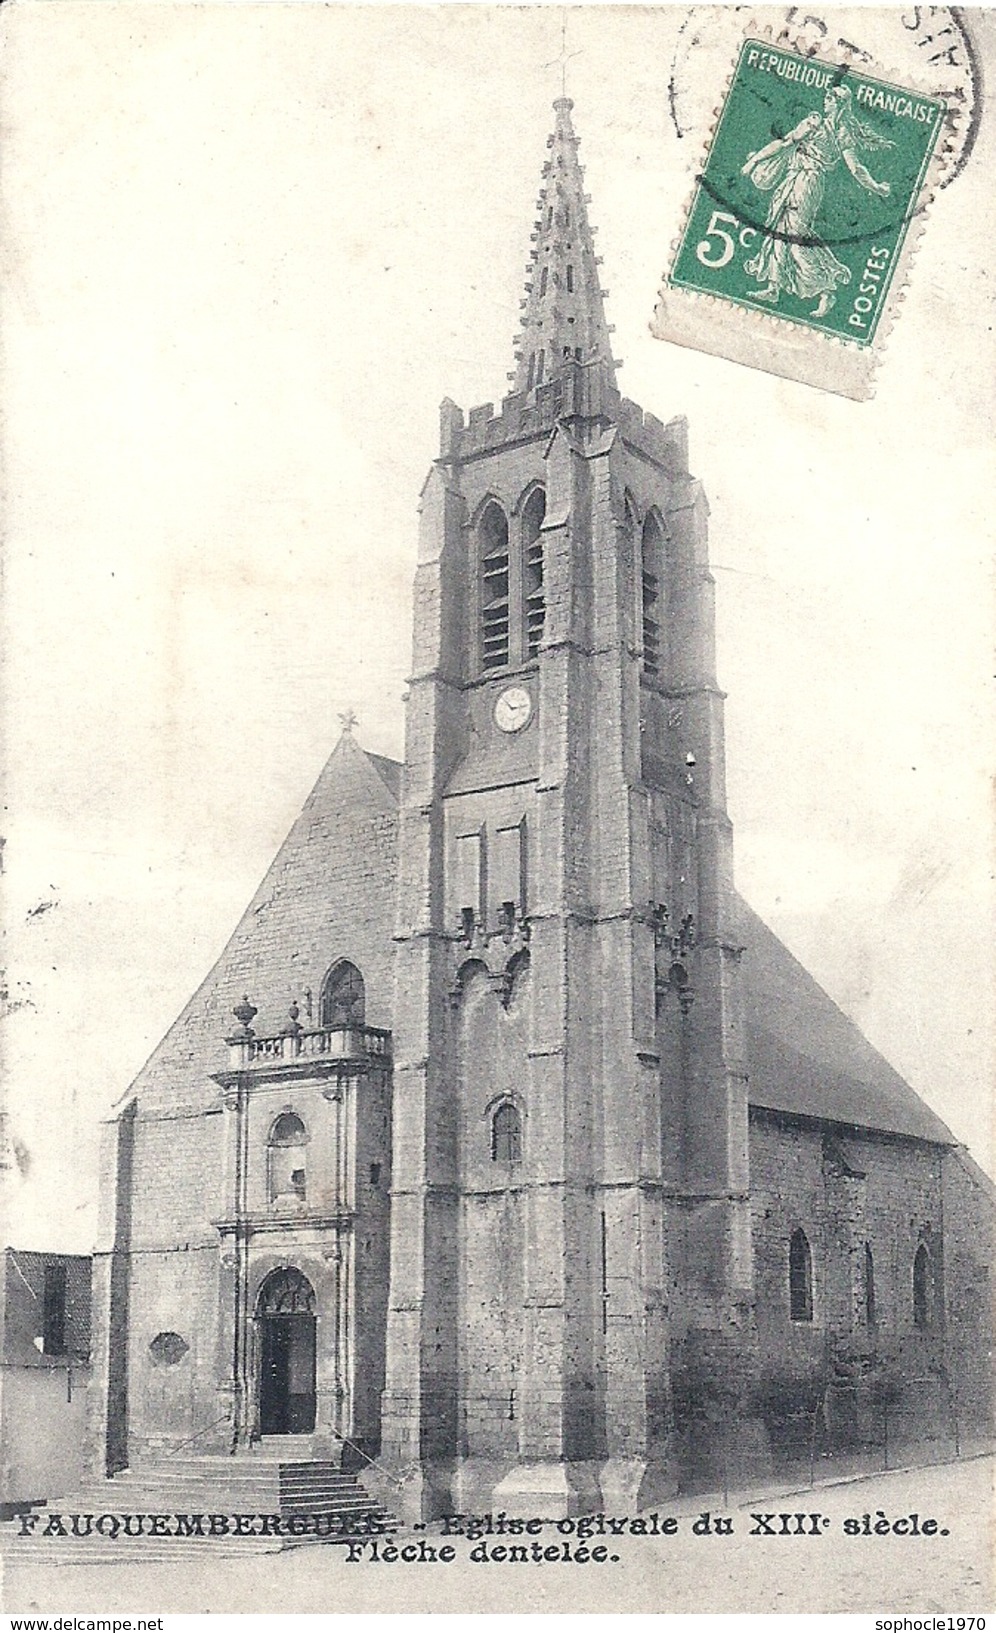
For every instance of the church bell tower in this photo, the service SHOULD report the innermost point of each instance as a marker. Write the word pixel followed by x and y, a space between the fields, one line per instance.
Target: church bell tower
pixel 570 1120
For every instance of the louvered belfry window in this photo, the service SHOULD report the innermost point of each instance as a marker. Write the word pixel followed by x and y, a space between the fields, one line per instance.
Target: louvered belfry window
pixel 652 550
pixel 532 543
pixel 494 588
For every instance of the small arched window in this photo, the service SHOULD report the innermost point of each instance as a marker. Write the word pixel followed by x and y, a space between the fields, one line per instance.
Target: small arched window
pixel 288 1130
pixel 800 1278
pixel 532 544
pixel 922 1288
pixel 493 535
pixel 506 1134
pixel 288 1177
pixel 869 1287
pixel 343 1001
pixel 651 609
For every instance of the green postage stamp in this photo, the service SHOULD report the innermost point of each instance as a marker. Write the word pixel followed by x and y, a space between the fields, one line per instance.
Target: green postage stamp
pixel 805 211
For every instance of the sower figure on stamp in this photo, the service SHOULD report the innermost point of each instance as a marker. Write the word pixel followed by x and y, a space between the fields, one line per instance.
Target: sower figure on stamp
pixel 791 256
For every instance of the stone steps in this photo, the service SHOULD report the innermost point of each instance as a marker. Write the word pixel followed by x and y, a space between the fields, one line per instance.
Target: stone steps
pixel 141 1551
pixel 202 1485
pixel 235 1494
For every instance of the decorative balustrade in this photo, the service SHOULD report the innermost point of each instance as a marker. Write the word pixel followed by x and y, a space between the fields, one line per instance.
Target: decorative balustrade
pixel 349 1045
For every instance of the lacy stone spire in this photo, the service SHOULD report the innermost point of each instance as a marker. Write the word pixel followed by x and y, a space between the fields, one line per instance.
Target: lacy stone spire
pixel 563 312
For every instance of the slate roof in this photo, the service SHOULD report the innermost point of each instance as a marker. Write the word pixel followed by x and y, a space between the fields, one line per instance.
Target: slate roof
pixel 806 1057
pixel 389 771
pixel 328 892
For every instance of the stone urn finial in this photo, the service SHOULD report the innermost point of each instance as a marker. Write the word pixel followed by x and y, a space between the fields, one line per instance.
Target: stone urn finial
pixel 245 1013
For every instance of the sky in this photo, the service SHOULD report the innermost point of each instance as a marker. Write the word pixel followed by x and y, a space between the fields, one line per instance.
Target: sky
pixel 246 251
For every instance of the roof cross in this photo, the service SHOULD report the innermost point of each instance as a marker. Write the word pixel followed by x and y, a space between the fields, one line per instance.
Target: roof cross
pixel 349 720
pixel 565 55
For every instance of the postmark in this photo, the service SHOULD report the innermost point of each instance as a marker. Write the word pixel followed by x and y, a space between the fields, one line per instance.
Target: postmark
pixel 804 215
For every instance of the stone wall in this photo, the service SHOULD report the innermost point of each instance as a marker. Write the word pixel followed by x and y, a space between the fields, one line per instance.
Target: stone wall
pixel 161 1268
pixel 891 1200
pixel 494 1071
pixel 868 1204
pixel 41 1431
pixel 42 1396
pixel 969 1221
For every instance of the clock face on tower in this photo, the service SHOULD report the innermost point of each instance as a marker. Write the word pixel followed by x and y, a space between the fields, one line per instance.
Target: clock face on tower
pixel 513 709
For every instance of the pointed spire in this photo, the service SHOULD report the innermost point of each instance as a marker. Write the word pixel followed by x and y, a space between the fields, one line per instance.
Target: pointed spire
pixel 563 312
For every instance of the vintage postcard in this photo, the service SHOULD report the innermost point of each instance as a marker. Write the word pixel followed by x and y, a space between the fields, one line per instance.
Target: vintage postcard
pixel 497 853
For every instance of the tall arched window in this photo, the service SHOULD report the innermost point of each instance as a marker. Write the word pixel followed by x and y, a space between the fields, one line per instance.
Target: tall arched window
pixel 651 568
pixel 493 536
pixel 532 545
pixel 287 1169
pixel 869 1287
pixel 343 1001
pixel 922 1288
pixel 506 1134
pixel 800 1278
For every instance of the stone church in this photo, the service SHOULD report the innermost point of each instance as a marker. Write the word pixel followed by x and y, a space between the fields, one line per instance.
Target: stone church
pixel 504 1146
